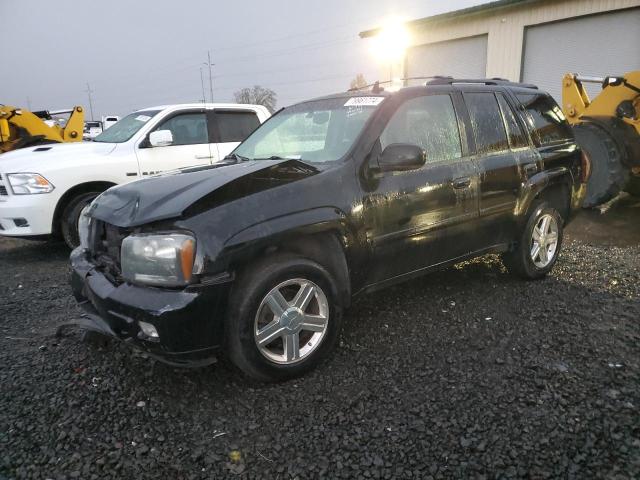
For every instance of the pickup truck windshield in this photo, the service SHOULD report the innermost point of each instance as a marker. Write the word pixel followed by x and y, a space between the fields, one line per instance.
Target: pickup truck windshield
pixel 315 132
pixel 126 128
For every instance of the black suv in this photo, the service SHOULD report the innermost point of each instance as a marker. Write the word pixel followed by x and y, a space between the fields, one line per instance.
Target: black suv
pixel 328 199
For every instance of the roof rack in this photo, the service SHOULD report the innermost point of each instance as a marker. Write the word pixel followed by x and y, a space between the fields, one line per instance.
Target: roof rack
pixel 441 80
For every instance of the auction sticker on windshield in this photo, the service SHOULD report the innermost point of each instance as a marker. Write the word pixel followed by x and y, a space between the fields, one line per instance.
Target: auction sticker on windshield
pixel 363 101
pixel 143 118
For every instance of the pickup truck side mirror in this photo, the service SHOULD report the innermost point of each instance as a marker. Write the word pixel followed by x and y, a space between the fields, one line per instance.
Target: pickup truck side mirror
pixel 399 157
pixel 161 138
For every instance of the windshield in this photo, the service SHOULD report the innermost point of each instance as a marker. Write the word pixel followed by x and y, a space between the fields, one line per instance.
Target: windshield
pixel 126 128
pixel 318 131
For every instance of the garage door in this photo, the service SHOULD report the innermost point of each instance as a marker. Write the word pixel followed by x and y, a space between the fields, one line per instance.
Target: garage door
pixel 598 45
pixel 461 58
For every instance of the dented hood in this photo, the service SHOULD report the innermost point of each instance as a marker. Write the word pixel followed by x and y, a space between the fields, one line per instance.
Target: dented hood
pixel 169 195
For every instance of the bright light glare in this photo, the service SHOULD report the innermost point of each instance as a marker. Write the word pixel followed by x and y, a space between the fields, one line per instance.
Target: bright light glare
pixel 391 43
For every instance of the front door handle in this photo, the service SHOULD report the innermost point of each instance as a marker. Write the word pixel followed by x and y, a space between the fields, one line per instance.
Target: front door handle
pixel 202 157
pixel 462 182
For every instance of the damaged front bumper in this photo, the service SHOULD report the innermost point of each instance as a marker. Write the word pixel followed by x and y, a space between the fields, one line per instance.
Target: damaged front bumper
pixel 179 327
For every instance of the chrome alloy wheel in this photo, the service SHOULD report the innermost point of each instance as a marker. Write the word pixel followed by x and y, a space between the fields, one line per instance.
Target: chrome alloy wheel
pixel 544 241
pixel 291 321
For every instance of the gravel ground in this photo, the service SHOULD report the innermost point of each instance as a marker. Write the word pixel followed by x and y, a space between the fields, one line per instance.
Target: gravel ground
pixel 467 373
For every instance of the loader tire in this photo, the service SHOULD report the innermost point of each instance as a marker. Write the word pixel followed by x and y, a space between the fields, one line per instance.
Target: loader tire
pixel 608 175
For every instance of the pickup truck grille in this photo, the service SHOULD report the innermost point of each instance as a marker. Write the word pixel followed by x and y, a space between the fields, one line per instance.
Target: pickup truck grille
pixel 3 188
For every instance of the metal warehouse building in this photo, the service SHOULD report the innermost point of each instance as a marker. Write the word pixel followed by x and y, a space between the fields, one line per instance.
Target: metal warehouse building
pixel 534 41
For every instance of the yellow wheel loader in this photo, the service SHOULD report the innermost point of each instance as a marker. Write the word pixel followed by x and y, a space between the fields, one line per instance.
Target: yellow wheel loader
pixel 20 128
pixel 607 128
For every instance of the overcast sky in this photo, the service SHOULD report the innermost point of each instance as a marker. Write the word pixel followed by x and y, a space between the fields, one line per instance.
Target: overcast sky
pixel 139 53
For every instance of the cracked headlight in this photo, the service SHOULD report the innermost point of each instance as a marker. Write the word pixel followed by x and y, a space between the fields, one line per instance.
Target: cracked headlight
pixel 29 183
pixel 161 260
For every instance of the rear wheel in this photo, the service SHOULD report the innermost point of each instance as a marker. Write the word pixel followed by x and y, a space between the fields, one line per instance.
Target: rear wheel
pixel 283 318
pixel 608 174
pixel 539 244
pixel 71 215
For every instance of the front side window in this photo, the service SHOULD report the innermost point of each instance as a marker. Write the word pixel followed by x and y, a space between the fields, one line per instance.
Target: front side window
pixel 486 120
pixel 317 131
pixel 547 120
pixel 235 126
pixel 187 128
pixel 428 122
pixel 517 139
pixel 127 127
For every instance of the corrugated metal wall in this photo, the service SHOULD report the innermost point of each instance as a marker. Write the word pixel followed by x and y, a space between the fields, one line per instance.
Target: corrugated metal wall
pixel 505 29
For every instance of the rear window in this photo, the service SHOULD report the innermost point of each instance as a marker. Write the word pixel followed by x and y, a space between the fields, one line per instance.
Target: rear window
pixel 235 126
pixel 486 120
pixel 545 119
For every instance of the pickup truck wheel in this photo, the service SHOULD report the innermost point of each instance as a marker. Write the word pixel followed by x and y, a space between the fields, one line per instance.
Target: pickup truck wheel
pixel 539 244
pixel 283 318
pixel 70 216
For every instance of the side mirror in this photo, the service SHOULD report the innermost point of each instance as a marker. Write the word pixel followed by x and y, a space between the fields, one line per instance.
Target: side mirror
pixel 399 157
pixel 161 138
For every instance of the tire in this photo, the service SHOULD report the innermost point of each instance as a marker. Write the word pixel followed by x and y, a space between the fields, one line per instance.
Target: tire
pixel 70 216
pixel 252 307
pixel 520 261
pixel 608 174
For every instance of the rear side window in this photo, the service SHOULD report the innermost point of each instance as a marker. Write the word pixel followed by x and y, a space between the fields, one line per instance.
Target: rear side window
pixel 546 119
pixel 235 126
pixel 429 122
pixel 517 139
pixel 486 120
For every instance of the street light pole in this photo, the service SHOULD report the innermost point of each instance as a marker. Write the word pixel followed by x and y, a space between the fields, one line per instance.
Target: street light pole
pixel 89 92
pixel 204 99
pixel 209 64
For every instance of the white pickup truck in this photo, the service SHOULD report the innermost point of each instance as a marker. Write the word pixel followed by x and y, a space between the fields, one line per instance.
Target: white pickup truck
pixel 43 189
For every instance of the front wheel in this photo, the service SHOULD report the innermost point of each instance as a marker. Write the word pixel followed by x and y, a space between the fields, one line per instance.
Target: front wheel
pixel 71 215
pixel 539 244
pixel 283 318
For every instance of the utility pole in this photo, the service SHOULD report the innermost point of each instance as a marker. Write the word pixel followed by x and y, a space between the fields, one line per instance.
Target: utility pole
pixel 204 99
pixel 209 64
pixel 89 92
pixel 29 103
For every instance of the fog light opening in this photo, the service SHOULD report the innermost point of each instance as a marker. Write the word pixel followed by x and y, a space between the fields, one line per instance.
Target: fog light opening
pixel 21 222
pixel 148 332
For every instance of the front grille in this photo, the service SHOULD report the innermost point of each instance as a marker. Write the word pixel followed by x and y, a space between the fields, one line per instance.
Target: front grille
pixel 105 243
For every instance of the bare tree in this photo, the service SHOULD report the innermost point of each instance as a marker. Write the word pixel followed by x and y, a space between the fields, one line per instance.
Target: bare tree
pixel 258 96
pixel 358 82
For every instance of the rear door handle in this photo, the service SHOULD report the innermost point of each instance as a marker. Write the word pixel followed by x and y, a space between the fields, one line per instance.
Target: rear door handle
pixel 462 182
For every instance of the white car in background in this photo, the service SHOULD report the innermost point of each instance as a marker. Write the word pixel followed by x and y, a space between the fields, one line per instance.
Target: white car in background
pixel 109 120
pixel 92 128
pixel 43 189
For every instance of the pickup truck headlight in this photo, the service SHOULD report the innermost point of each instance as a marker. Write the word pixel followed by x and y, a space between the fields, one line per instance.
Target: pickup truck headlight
pixel 161 260
pixel 29 183
pixel 84 226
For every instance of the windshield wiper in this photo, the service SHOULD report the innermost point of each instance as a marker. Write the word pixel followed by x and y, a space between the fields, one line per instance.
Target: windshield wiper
pixel 276 157
pixel 236 157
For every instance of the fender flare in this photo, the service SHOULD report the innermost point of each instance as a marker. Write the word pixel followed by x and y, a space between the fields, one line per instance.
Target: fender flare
pixel 539 182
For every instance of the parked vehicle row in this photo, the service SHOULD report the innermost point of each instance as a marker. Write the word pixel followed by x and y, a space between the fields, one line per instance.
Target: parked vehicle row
pixel 260 253
pixel 44 189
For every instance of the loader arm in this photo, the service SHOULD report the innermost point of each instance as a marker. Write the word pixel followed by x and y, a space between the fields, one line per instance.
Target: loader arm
pixel 21 128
